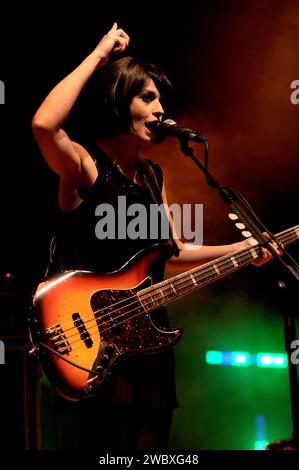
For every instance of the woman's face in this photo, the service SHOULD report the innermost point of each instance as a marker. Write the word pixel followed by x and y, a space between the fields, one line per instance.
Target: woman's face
pixel 145 107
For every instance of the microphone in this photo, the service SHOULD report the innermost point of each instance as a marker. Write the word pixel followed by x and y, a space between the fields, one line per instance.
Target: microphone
pixel 163 129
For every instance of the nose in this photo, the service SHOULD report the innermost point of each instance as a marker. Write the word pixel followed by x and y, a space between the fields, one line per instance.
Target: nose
pixel 158 110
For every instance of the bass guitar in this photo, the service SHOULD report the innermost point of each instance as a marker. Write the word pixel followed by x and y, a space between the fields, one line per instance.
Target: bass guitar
pixel 84 322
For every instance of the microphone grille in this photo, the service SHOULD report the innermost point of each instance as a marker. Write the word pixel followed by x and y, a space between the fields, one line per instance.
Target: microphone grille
pixel 169 122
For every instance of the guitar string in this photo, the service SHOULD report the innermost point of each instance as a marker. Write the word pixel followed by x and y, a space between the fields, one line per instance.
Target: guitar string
pixel 152 288
pixel 206 268
pixel 141 305
pixel 158 296
pixel 96 333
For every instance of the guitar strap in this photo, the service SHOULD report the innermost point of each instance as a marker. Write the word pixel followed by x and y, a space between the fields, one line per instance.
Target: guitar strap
pixel 151 183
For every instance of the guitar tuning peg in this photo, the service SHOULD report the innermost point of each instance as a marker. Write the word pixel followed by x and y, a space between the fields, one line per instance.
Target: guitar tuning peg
pixel 246 234
pixel 232 216
pixel 240 226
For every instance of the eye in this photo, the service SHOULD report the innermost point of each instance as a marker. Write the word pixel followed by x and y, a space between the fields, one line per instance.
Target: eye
pixel 147 96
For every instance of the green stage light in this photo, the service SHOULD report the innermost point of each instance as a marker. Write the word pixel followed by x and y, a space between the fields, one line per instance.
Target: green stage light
pixel 240 358
pixel 260 445
pixel 214 357
pixel 245 359
pixel 271 360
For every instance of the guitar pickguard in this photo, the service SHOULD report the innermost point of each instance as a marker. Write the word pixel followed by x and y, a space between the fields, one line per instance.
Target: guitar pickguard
pixel 123 322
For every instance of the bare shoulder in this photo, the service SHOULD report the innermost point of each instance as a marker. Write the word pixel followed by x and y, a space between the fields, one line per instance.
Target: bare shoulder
pixel 73 187
pixel 88 170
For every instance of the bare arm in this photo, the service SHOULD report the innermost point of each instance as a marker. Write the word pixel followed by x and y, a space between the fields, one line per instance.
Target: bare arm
pixel 192 255
pixel 64 156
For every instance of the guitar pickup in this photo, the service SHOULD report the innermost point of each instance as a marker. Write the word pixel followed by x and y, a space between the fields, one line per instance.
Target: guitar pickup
pixel 84 334
pixel 58 339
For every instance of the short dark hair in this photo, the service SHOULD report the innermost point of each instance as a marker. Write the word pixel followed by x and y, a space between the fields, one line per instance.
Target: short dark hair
pixel 116 85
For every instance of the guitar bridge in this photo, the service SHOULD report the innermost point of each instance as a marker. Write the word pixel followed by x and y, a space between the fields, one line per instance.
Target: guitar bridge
pixel 58 339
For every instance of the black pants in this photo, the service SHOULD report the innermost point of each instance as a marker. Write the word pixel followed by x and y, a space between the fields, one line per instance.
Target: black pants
pixel 121 426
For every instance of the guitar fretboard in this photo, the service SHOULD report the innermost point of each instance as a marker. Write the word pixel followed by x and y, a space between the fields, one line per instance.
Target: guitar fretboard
pixel 175 287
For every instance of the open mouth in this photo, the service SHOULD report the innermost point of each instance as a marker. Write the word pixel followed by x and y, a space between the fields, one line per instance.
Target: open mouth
pixel 151 125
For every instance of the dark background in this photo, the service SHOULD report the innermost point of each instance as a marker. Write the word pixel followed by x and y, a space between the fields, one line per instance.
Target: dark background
pixel 232 63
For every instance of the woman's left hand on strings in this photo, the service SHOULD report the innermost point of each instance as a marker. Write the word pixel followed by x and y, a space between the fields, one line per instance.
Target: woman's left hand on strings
pixel 265 254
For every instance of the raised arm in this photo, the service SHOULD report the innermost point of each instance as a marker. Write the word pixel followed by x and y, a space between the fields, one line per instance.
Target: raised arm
pixel 64 156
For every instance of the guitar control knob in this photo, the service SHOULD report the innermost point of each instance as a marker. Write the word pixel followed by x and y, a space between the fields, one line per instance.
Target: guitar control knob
pixel 105 357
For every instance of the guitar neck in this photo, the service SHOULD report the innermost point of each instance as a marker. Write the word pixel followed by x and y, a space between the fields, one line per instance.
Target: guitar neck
pixel 177 286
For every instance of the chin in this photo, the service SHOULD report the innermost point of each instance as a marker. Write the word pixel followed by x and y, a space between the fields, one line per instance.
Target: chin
pixel 145 139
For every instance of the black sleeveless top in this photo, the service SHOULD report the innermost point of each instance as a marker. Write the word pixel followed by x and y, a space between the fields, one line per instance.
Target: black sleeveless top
pixel 143 380
pixel 77 244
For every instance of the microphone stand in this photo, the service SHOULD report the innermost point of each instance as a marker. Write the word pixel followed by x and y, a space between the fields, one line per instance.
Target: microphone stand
pixel 290 268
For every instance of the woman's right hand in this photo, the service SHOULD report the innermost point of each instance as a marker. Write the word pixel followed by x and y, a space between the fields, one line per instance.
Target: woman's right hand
pixel 115 40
